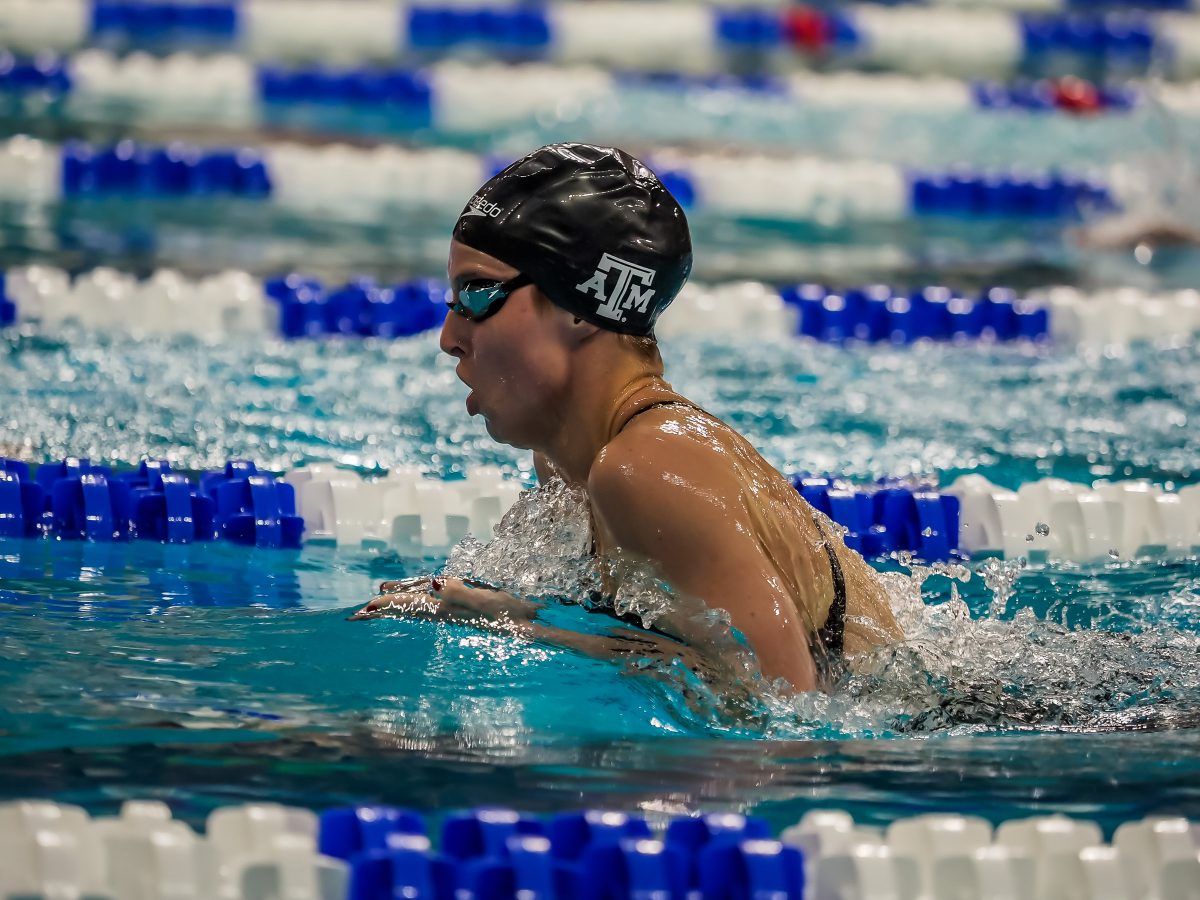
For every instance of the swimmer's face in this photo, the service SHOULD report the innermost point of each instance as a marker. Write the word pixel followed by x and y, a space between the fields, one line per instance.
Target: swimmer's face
pixel 516 362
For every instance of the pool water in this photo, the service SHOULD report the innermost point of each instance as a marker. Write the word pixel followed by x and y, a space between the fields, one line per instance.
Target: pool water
pixel 206 673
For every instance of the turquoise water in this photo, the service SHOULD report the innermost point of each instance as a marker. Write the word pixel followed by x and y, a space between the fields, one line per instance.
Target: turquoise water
pixel 207 673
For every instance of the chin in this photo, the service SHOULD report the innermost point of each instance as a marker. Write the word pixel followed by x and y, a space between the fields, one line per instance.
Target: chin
pixel 507 435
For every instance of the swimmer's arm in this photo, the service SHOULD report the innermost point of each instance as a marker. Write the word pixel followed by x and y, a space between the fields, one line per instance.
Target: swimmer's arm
pixel 450 600
pixel 662 498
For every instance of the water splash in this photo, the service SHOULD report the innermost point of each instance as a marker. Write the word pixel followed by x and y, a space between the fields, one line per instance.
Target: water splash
pixel 957 673
pixel 540 549
pixel 953 672
pixel 1000 576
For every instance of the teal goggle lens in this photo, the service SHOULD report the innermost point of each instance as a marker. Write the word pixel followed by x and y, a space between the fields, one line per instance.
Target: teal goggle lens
pixel 478 299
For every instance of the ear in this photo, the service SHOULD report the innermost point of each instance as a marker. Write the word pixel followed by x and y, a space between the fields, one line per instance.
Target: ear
pixel 580 330
pixel 573 329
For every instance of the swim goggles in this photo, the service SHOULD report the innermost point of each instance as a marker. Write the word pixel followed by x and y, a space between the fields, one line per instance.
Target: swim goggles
pixel 480 298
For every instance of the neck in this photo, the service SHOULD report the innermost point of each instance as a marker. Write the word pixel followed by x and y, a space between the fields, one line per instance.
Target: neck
pixel 605 380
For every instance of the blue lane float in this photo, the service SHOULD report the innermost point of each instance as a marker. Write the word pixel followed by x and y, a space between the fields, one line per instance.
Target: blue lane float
pixel 77 500
pixel 361 307
pixel 1073 95
pixel 347 831
pixel 1091 30
pixel 522 29
pixel 749 29
pixel 680 184
pixel 86 502
pixel 1111 36
pixel 690 833
pixel 999 195
pixel 173 171
pixel 825 854
pixel 888 518
pixel 253 509
pixel 8 309
pixel 398 91
pixel 484 832
pixel 22 501
pixel 167 508
pixel 501 854
pixel 572 834
pixel 875 313
pixel 145 23
pixel 46 74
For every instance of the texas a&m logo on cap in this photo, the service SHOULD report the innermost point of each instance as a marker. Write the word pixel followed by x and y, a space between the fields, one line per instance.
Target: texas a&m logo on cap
pixel 631 290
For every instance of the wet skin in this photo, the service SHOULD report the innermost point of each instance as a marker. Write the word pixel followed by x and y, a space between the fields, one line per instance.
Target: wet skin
pixel 673 486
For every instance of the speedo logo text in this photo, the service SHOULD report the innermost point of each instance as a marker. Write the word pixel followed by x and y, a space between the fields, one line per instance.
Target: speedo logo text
pixel 480 207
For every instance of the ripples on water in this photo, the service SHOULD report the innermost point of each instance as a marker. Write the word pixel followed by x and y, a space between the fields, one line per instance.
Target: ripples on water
pixel 1012 412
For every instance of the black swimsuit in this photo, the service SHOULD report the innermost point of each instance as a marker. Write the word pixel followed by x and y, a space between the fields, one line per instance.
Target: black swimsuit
pixel 830 636
pixel 833 633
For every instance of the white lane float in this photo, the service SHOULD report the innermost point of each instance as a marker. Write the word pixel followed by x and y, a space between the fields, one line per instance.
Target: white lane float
pixel 1061 520
pixel 265 850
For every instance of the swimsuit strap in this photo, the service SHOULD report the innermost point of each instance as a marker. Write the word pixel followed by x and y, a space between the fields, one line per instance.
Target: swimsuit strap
pixel 645 401
pixel 832 634
pixel 656 405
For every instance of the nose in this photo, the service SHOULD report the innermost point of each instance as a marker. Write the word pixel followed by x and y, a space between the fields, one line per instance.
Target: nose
pixel 453 339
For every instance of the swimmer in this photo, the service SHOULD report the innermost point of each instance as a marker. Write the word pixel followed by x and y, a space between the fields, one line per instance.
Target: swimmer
pixel 559 267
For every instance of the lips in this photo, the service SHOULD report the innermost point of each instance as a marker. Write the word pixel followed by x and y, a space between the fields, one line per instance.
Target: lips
pixel 472 400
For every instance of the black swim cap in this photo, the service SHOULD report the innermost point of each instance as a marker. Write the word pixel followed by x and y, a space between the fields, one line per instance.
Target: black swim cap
pixel 593 227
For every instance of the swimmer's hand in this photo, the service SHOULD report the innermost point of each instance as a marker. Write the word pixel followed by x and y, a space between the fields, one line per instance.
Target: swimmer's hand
pixel 448 600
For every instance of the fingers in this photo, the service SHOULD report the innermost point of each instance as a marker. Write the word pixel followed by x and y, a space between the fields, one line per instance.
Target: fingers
pixel 413 597
pixel 405 585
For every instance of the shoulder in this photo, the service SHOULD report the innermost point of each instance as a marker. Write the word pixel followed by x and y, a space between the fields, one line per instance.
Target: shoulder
pixel 660 444
pixel 659 471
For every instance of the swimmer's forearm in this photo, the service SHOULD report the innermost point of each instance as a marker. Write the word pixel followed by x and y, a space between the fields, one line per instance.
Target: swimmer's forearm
pixel 500 611
pixel 587 644
pixel 615 645
pixel 450 600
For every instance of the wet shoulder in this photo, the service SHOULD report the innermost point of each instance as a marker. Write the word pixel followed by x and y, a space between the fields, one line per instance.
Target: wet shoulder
pixel 679 446
pixel 662 491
